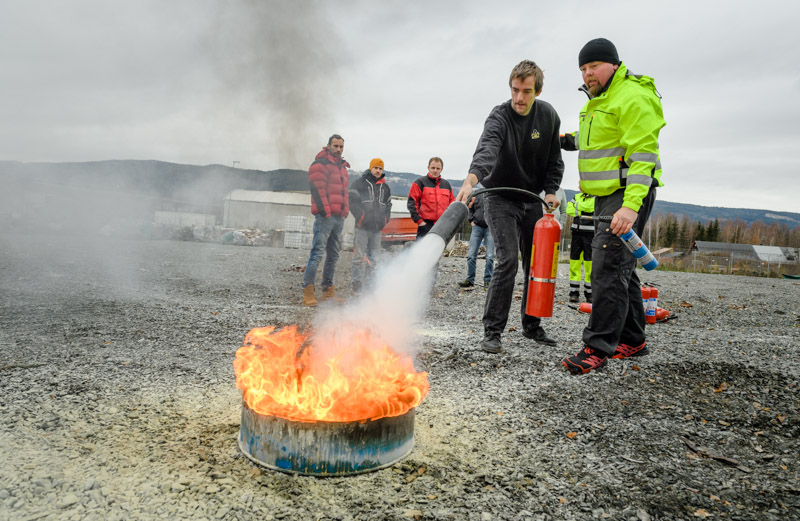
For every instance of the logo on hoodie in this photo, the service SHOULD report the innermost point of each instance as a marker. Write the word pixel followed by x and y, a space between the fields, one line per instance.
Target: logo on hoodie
pixel 535 134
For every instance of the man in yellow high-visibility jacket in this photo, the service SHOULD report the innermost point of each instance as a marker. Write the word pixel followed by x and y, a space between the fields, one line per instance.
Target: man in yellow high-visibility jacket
pixel 619 163
pixel 581 209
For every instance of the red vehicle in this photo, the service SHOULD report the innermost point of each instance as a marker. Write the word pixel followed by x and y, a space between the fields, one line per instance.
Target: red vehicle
pixel 399 230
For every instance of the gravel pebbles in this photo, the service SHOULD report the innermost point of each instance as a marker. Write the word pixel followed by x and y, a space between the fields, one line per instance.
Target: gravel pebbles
pixel 118 401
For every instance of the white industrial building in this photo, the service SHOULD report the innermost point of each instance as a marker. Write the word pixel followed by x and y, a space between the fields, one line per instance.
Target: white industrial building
pixel 266 210
pixel 772 254
pixel 184 218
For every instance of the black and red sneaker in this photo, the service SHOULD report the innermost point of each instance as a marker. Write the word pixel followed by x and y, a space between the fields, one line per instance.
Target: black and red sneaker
pixel 586 360
pixel 625 351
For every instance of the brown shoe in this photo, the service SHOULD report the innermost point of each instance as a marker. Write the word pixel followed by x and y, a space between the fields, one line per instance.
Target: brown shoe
pixel 308 296
pixel 328 293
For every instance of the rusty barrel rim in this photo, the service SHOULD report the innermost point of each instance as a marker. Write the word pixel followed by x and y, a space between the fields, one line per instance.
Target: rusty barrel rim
pixel 325 448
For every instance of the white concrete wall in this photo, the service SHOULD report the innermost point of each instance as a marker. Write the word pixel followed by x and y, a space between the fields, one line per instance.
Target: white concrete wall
pixel 267 216
pixel 184 218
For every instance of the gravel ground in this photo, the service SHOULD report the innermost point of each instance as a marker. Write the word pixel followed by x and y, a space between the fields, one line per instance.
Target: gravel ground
pixel 117 398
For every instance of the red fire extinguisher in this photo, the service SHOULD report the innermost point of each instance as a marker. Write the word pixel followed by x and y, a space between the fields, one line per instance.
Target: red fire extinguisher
pixel 544 267
pixel 652 305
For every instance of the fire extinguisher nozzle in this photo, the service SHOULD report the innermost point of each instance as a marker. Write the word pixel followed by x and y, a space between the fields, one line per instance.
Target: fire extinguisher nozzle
pixel 451 220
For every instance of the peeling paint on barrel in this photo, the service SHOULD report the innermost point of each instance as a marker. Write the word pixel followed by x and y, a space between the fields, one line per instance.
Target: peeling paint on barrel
pixel 325 448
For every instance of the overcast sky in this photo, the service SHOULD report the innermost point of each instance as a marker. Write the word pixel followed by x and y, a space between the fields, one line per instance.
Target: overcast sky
pixel 265 83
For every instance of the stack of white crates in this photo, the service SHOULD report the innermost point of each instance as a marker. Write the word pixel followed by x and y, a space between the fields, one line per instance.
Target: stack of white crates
pixel 297 232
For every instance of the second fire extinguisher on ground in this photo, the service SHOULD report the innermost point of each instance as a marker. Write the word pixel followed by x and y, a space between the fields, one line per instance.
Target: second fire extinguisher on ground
pixel 543 270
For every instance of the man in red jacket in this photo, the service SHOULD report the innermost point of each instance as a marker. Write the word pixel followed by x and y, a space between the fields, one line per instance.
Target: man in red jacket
pixel 429 197
pixel 328 181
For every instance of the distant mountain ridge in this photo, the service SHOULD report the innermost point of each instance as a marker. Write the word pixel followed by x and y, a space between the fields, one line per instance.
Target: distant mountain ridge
pixel 209 184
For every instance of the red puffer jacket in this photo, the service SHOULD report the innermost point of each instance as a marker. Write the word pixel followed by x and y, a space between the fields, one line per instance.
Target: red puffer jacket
pixel 327 177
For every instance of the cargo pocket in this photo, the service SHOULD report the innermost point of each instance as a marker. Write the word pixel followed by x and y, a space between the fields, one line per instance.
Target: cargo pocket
pixel 609 259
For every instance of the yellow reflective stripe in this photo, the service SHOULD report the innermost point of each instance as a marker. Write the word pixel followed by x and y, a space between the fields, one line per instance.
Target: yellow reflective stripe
pixel 644 156
pixel 601 153
pixel 612 175
pixel 605 175
pixel 638 179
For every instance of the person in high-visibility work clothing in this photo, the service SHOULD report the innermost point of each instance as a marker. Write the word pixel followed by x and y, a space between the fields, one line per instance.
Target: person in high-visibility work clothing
pixel 581 209
pixel 620 164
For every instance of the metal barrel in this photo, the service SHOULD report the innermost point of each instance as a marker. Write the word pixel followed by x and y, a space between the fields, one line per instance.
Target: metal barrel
pixel 325 448
pixel 451 220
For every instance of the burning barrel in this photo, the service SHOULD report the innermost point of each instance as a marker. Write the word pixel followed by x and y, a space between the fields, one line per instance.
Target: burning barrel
pixel 326 410
pixel 325 448
pixel 343 405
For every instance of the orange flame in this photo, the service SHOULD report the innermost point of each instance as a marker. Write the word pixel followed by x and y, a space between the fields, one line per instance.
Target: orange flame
pixel 364 380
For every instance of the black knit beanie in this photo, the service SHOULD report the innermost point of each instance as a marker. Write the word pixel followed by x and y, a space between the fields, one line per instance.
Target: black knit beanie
pixel 598 50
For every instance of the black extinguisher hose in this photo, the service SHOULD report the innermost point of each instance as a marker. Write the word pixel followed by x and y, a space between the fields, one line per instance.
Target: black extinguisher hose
pixel 508 189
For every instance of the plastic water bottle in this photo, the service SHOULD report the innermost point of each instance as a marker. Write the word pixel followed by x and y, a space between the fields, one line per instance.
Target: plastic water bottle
pixel 639 250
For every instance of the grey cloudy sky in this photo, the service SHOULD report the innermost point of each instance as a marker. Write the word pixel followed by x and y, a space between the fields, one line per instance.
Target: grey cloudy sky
pixel 265 83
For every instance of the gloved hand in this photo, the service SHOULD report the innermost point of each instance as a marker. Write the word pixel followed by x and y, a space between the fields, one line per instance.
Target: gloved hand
pixel 567 142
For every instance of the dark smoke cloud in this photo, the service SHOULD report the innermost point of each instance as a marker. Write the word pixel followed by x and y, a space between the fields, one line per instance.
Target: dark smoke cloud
pixel 280 63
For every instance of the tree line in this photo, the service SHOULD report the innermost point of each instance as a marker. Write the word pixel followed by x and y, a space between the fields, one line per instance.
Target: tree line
pixel 670 231
pixel 679 232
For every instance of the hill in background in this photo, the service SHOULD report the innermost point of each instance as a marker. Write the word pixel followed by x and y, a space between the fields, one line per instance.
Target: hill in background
pixel 202 188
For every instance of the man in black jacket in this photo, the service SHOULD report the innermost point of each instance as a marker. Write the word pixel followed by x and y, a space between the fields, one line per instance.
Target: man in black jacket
pixel 519 148
pixel 371 207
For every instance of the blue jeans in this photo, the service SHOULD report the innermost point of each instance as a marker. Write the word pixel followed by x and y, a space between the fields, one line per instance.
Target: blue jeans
pixel 479 235
pixel 366 249
pixel 327 238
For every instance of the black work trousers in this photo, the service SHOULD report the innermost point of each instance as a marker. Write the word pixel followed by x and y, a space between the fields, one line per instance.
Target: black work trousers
pixel 511 223
pixel 581 243
pixel 617 311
